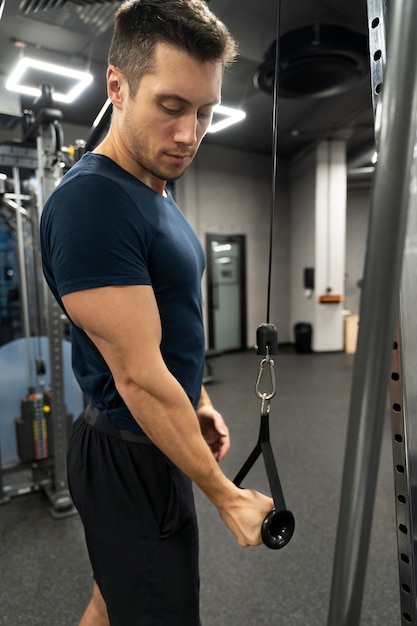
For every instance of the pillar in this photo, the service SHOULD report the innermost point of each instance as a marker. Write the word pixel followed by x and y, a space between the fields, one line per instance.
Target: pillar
pixel 318 232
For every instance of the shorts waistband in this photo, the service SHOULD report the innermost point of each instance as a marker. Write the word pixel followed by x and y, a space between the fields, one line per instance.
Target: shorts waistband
pixel 96 419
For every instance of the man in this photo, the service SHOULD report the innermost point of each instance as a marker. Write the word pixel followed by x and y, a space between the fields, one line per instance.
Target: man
pixel 126 267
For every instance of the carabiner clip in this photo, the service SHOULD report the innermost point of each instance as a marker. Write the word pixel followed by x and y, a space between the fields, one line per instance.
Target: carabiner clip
pixel 271 365
pixel 265 405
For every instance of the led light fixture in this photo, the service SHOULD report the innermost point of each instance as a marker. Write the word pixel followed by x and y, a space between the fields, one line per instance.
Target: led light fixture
pixel 30 73
pixel 228 115
pixel 221 247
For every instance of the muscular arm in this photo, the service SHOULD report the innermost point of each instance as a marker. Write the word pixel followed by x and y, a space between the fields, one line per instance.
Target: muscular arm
pixel 124 324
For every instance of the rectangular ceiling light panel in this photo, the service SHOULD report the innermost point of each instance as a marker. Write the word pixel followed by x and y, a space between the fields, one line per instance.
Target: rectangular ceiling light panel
pixel 224 117
pixel 25 79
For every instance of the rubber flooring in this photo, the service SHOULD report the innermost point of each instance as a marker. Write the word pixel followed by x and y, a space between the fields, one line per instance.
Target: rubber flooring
pixel 45 577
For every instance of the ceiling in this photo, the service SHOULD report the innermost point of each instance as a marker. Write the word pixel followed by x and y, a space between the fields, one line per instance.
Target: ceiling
pixel 79 31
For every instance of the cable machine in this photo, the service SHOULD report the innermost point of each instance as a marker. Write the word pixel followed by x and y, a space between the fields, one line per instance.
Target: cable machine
pixel 278 526
pixel 44 425
pixel 389 293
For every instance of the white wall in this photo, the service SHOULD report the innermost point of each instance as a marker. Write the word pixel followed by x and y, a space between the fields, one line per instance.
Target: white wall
pixel 229 192
pixel 330 225
pixel 317 231
pixel 302 238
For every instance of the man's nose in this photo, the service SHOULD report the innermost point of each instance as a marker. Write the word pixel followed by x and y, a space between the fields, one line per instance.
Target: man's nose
pixel 186 130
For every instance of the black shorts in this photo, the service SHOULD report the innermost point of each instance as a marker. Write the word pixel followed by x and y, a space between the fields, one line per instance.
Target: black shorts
pixel 140 524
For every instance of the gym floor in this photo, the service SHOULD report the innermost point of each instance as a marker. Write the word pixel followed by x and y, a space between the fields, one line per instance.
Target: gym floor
pixel 45 574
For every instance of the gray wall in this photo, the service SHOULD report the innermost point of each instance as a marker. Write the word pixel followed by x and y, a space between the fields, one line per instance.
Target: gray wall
pixel 358 202
pixel 229 192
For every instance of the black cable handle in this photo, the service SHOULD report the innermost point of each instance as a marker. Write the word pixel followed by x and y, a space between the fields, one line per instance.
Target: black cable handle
pixel 278 526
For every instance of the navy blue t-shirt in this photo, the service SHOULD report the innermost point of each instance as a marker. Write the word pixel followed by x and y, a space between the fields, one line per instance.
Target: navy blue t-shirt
pixel 101 226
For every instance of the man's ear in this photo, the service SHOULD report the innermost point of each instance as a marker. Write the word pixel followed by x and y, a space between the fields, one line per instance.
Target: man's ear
pixel 116 86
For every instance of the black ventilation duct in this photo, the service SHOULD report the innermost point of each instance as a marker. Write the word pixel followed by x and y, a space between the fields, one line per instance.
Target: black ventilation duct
pixel 85 17
pixel 315 62
pixel 28 6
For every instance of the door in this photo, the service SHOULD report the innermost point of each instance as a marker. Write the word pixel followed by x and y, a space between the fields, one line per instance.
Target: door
pixel 226 292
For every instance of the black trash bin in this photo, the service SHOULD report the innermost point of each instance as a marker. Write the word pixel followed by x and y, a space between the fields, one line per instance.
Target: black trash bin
pixel 302 333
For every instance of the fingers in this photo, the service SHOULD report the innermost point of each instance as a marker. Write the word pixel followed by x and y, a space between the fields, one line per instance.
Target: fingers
pixel 245 515
pixel 223 447
pixel 214 431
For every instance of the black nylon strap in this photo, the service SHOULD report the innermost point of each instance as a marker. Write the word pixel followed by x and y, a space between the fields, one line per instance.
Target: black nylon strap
pixel 263 447
pixel 273 478
pixel 248 464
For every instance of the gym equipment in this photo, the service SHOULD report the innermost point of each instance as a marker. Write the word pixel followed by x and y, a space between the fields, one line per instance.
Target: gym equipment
pixel 35 427
pixel 14 385
pixel 389 268
pixel 99 126
pixel 278 526
pixel 44 132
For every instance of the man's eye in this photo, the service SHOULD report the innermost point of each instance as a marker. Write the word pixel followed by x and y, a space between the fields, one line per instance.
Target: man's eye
pixel 170 111
pixel 205 115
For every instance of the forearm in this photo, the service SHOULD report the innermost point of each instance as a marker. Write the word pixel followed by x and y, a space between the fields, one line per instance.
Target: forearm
pixel 166 415
pixel 170 422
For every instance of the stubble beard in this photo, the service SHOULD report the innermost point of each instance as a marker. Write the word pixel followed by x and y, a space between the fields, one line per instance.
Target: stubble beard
pixel 135 145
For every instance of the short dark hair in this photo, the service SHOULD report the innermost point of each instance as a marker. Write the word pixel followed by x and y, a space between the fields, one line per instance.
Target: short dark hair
pixel 188 25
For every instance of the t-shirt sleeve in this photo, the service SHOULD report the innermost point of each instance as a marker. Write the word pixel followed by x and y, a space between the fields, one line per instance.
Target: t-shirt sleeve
pixel 95 236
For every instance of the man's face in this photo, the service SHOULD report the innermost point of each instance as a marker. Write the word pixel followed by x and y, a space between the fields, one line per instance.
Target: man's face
pixel 163 125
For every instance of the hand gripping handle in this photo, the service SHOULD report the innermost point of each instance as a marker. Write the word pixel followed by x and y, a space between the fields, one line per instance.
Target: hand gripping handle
pixel 278 526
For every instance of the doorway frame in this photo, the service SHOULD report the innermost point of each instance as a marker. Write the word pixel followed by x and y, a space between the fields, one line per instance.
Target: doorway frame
pixel 240 240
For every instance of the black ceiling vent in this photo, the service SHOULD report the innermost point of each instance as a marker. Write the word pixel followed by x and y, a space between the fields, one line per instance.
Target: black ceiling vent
pixel 84 17
pixel 315 62
pixel 28 6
